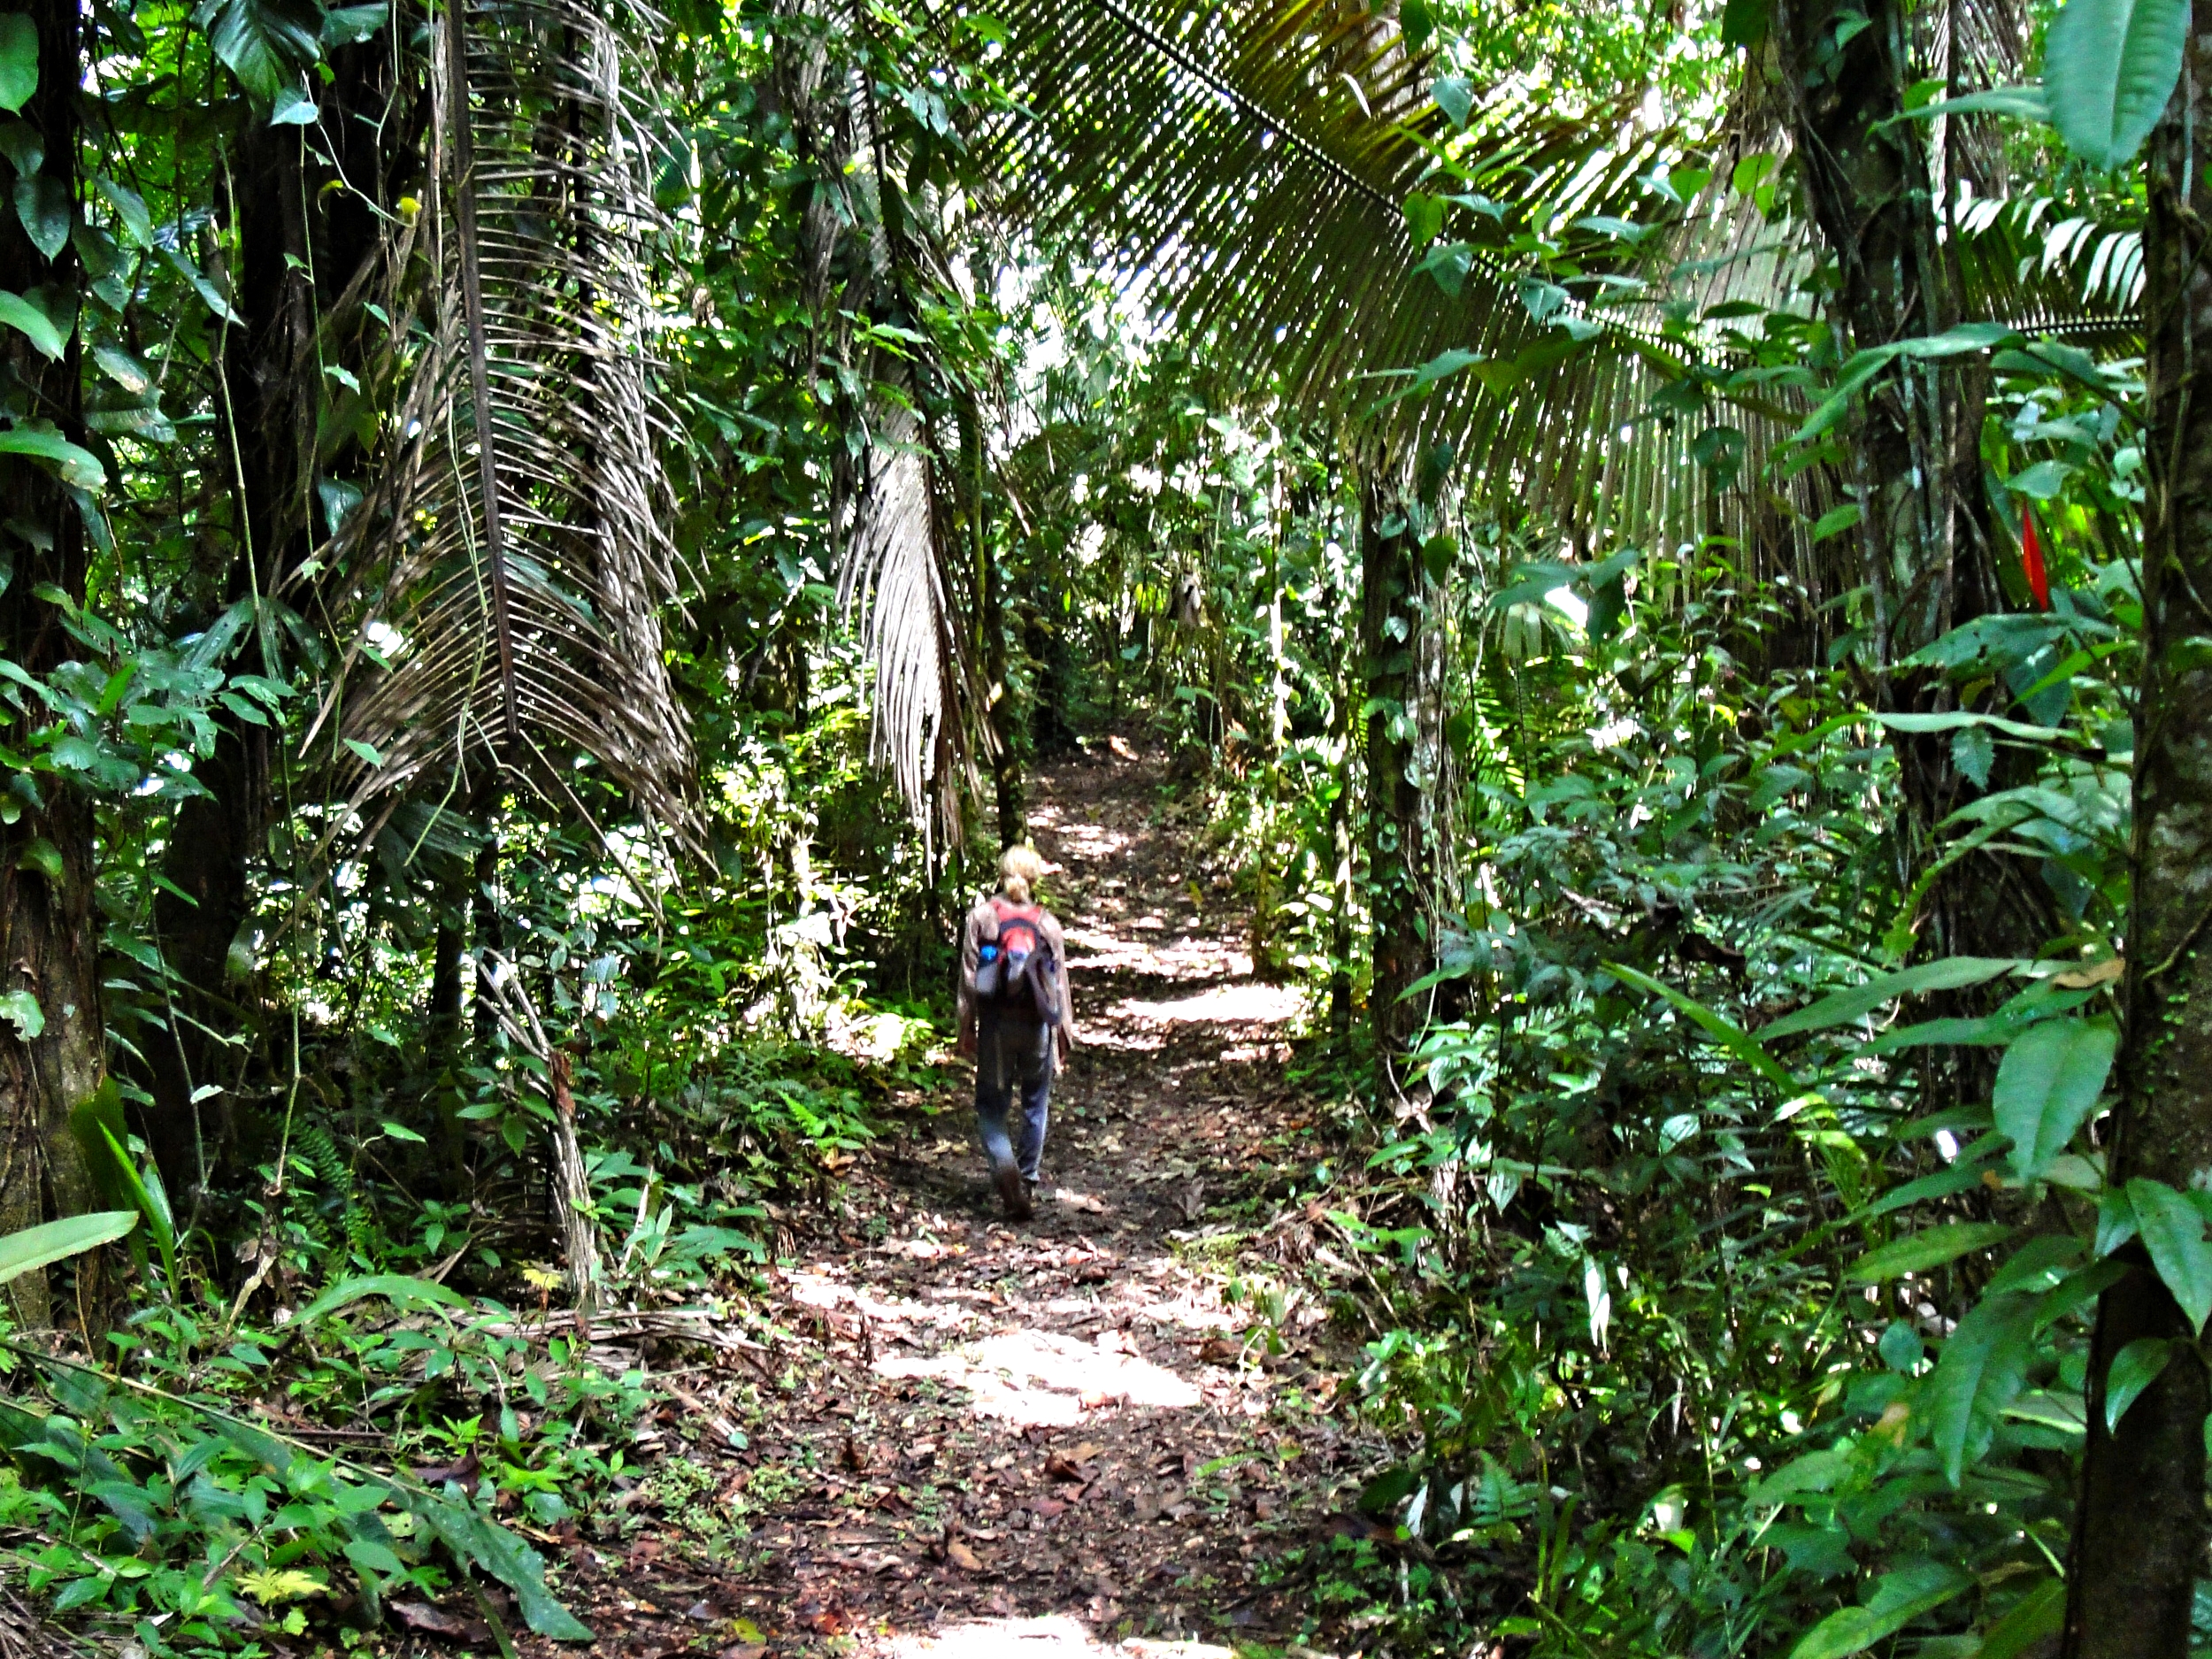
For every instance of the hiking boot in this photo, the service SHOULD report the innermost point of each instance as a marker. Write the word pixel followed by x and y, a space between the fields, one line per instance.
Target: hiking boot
pixel 1013 1192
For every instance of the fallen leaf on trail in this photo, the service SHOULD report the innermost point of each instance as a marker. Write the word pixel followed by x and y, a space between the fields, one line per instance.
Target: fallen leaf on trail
pixel 1219 1351
pixel 701 1612
pixel 1049 1508
pixel 1084 1453
pixel 438 1474
pixel 962 1557
pixel 744 1650
pixel 1094 1398
pixel 856 1459
pixel 434 1621
pixel 1063 1468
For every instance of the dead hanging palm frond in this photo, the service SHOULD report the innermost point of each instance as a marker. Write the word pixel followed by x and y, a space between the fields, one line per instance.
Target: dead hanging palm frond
pixel 509 569
pixel 900 581
pixel 895 581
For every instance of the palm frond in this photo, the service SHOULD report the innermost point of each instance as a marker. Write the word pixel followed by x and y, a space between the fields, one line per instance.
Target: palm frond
pixel 898 580
pixel 1254 160
pixel 507 572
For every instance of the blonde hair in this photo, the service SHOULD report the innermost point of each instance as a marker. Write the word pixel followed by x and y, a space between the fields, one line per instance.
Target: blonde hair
pixel 1020 867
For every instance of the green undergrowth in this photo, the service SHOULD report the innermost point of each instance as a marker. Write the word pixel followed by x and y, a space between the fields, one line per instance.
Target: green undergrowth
pixel 399 1404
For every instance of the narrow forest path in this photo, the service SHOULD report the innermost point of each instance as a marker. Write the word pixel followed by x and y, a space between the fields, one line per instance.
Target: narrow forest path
pixel 1046 1439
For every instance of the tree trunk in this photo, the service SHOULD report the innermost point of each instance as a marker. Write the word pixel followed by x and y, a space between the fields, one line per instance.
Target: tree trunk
pixel 1009 796
pixel 1913 464
pixel 2140 1537
pixel 1340 871
pixel 1390 623
pixel 53 1041
pixel 270 403
pixel 490 936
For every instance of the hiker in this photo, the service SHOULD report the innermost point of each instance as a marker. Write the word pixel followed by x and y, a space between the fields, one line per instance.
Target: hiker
pixel 1016 1018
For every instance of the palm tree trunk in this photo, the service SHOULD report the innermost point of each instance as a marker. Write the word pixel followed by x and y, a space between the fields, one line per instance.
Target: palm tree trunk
pixel 1390 622
pixel 53 1041
pixel 2139 1536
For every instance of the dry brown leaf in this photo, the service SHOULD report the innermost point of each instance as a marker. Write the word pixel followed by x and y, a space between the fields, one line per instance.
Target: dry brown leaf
pixel 962 1557
pixel 2097 973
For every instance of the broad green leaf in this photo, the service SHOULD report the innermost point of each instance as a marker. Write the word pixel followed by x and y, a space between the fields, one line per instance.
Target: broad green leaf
pixel 1425 217
pixel 2040 1613
pixel 123 369
pixel 264 43
pixel 2109 67
pixel 1900 1347
pixel 398 1288
pixel 1815 1471
pixel 19 60
pixel 80 467
pixel 1917 1252
pixel 2025 104
pixel 1455 96
pixel 1956 1177
pixel 1864 365
pixel 1836 520
pixel 1744 22
pixel 33 324
pixel 22 1009
pixel 151 1200
pixel 1723 1030
pixel 506 1557
pixel 2046 1087
pixel 1981 1368
pixel 2116 1221
pixel 1973 751
pixel 1840 1007
pixel 1899 1598
pixel 349 26
pixel 2172 1230
pixel 46 209
pixel 2083 1284
pixel 2134 1368
pixel 292 108
pixel 373 1556
pixel 38 1247
pixel 130 210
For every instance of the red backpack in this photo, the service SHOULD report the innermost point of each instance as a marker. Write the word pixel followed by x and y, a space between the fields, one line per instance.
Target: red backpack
pixel 1015 971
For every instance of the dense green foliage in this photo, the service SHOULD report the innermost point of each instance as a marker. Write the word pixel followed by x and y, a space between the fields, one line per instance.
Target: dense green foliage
pixel 1737 884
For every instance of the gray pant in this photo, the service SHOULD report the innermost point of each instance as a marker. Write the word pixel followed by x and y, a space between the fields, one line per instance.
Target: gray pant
pixel 1012 1054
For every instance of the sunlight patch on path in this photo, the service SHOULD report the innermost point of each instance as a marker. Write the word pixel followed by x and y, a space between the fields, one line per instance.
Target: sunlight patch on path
pixel 1058 1638
pixel 1035 1379
pixel 1197 959
pixel 1247 1002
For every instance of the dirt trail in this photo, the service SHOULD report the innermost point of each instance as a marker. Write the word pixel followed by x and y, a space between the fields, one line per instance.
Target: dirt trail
pixel 1052 1438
